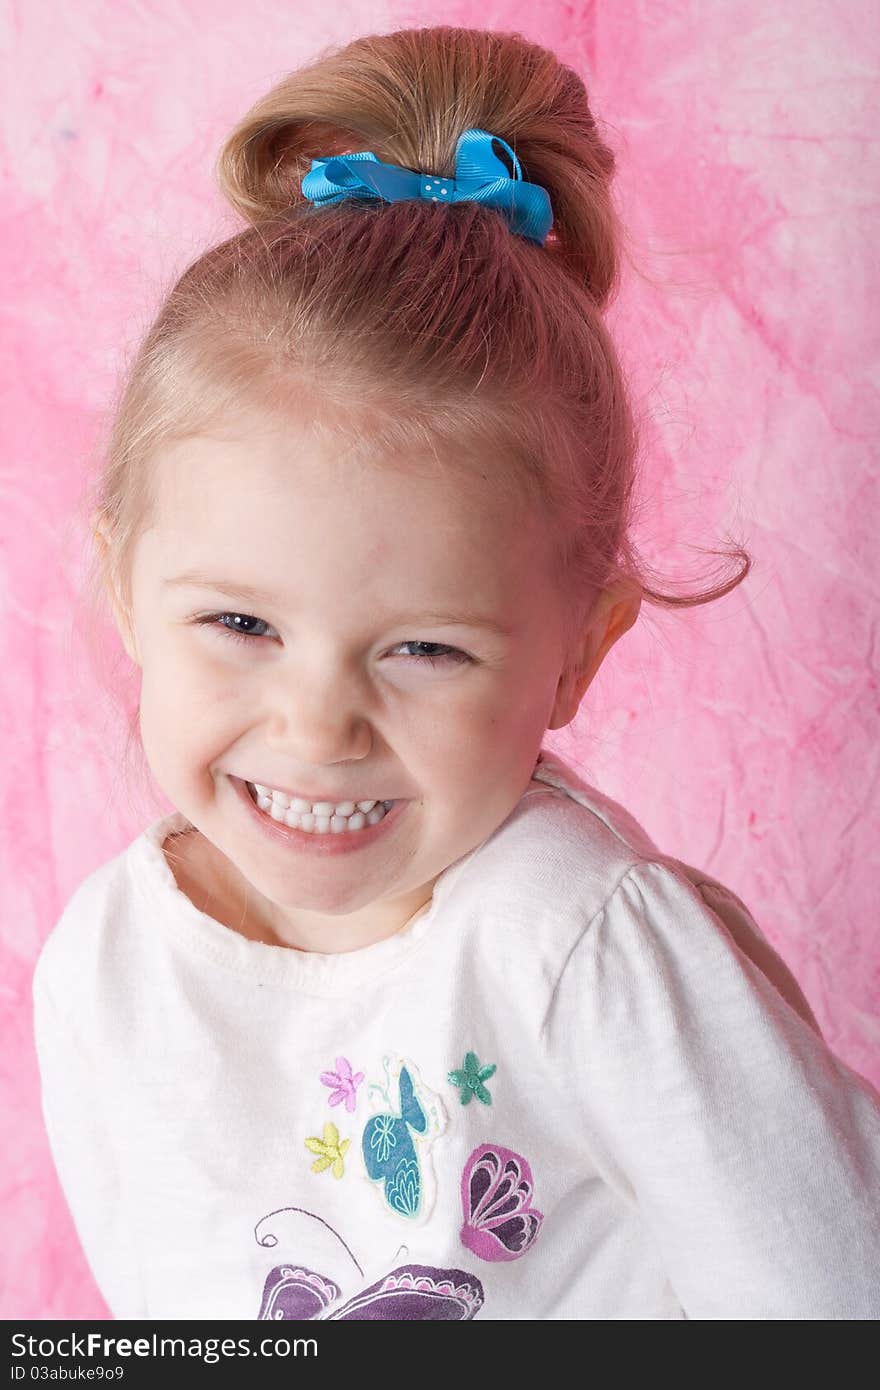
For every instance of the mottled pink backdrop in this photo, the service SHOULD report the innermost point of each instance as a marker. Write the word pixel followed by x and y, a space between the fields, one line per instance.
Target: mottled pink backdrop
pixel 744 734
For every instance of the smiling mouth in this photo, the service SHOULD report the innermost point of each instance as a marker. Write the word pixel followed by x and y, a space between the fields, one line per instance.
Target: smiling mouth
pixel 322 818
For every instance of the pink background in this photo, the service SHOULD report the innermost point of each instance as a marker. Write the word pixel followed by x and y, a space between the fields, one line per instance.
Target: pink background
pixel 742 735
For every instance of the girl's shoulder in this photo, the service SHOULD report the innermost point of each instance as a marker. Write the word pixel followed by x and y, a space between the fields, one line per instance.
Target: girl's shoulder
pixel 564 844
pixel 90 936
pixel 622 888
pixel 625 833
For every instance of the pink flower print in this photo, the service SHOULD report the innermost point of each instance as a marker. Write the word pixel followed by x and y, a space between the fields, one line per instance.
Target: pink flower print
pixel 343 1084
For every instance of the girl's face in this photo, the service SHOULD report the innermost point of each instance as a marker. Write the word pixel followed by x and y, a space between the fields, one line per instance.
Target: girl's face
pixel 349 577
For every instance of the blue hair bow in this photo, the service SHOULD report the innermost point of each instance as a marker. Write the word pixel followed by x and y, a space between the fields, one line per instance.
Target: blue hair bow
pixel 480 177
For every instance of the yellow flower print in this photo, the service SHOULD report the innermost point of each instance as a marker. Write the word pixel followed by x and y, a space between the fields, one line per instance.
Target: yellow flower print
pixel 330 1149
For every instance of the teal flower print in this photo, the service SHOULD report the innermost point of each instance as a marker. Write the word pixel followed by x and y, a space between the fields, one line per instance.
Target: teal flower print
pixel 402 1190
pixel 471 1078
pixel 383 1139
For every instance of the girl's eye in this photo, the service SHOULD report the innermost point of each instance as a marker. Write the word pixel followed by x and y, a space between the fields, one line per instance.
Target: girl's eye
pixel 241 633
pixel 447 653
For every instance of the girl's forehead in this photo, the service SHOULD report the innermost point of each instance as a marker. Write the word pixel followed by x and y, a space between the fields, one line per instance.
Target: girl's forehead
pixel 285 477
pixel 260 508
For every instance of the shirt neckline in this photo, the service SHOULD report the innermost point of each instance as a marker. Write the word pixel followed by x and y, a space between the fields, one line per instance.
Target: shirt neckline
pixel 309 972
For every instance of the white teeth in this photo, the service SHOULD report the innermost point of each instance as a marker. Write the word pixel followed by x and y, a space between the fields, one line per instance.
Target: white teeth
pixel 323 816
pixel 304 808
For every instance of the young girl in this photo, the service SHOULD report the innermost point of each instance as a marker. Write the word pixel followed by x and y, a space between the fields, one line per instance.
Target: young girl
pixel 395 1017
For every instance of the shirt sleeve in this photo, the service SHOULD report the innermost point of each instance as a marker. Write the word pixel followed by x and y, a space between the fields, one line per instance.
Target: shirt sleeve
pixel 708 1097
pixel 74 1107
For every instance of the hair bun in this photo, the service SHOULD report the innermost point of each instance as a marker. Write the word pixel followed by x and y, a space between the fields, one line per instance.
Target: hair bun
pixel 407 96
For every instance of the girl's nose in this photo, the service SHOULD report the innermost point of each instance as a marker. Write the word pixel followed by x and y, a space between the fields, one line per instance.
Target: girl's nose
pixel 319 721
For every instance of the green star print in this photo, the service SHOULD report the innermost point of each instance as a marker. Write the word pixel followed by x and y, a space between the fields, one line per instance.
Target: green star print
pixel 471 1078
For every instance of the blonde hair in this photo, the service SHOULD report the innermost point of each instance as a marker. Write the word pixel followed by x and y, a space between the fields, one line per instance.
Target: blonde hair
pixel 411 325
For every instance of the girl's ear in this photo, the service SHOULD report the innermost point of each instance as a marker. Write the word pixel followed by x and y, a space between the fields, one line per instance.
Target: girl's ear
pixel 613 614
pixel 120 614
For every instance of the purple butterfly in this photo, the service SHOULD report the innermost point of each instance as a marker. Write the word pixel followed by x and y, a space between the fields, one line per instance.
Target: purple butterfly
pixel 496 1197
pixel 416 1293
pixel 292 1291
pixel 409 1293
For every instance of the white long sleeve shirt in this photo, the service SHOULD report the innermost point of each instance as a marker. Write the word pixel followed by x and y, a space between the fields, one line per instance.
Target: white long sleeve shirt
pixel 579 1084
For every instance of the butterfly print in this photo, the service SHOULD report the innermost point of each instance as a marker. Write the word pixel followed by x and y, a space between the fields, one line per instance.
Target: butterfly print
pixel 496 1197
pixel 291 1291
pixel 409 1293
pixel 390 1154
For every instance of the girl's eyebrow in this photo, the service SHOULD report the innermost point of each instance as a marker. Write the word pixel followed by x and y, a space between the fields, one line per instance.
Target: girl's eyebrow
pixel 253 594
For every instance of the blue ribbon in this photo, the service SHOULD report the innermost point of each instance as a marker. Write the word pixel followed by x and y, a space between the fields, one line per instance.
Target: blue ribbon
pixel 480 177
